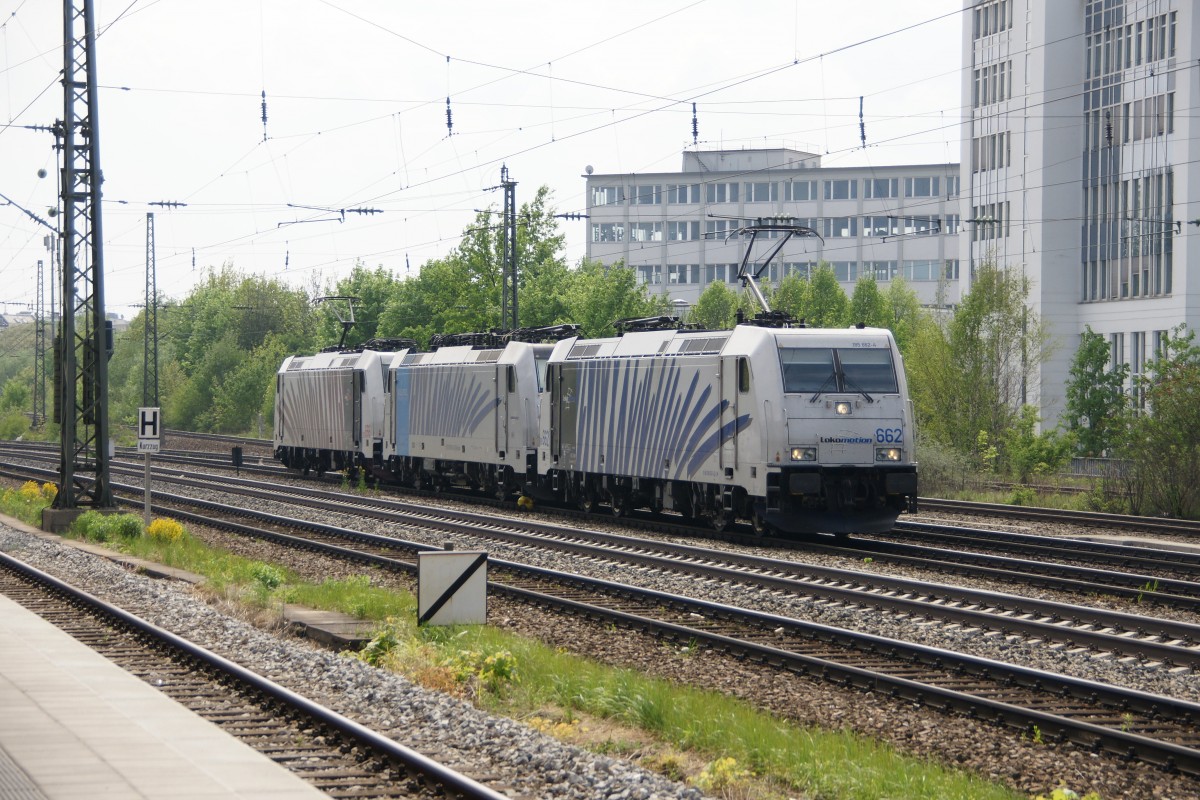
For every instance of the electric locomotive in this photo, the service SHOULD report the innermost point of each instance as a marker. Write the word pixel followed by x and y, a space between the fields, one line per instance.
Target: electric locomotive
pixel 797 430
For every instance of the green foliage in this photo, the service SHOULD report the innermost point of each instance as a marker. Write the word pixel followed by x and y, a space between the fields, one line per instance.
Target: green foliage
pixel 830 307
pixel 1163 446
pixel 600 295
pixel 868 305
pixel 372 290
pixel 17 394
pixel 27 502
pixel 794 296
pixel 1096 402
pixel 968 375
pixel 1028 453
pixel 13 424
pixel 94 526
pixel 905 316
pixel 722 776
pixel 716 309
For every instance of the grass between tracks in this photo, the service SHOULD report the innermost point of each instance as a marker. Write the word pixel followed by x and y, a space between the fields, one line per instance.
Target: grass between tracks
pixel 720 744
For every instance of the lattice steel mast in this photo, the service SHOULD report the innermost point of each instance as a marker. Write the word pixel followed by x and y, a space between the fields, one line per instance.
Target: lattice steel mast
pixel 150 350
pixel 83 362
pixel 39 347
pixel 508 270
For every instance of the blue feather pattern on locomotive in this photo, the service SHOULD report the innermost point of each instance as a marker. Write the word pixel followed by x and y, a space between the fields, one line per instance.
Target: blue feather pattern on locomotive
pixel 439 402
pixel 657 421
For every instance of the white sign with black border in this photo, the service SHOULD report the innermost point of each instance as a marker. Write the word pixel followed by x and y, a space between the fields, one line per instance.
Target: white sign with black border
pixel 148 430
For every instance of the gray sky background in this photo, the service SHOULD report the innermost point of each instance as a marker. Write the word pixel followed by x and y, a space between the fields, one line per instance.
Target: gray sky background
pixel 356 116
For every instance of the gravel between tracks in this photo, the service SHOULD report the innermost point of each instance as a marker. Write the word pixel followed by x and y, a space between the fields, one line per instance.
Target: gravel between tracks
pixel 999 753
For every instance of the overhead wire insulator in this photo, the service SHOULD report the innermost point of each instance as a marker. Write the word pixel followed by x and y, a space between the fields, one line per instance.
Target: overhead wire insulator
pixel 264 114
pixel 862 126
pixel 695 127
pixel 449 119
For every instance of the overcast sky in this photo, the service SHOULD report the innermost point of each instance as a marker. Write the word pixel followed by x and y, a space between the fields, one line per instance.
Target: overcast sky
pixel 356 116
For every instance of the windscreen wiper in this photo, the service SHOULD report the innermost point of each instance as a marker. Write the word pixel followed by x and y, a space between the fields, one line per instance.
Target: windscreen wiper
pixel 832 377
pixel 852 385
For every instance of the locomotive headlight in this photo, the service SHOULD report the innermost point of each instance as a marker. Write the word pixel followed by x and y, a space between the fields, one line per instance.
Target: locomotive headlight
pixel 842 408
pixel 888 453
pixel 804 454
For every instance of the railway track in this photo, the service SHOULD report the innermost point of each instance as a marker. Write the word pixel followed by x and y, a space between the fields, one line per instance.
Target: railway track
pixel 334 754
pixel 1149 728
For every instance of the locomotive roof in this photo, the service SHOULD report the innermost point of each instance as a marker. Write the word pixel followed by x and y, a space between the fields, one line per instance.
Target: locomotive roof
pixel 332 360
pixel 466 354
pixel 740 341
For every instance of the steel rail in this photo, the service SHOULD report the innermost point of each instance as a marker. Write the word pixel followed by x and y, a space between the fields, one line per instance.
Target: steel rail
pixel 434 775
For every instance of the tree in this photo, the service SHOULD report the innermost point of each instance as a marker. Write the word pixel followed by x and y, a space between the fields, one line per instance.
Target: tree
pixel 600 295
pixel 867 304
pixel 794 296
pixel 1164 445
pixel 374 290
pixel 1096 399
pixel 969 376
pixel 716 309
pixel 1028 453
pixel 904 313
pixel 830 305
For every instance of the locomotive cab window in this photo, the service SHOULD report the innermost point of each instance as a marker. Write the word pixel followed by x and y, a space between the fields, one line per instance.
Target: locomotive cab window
pixel 843 369
pixel 807 369
pixel 743 375
pixel 868 370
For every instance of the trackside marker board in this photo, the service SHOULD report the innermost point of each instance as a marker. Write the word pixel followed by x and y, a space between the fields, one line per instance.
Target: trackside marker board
pixel 452 587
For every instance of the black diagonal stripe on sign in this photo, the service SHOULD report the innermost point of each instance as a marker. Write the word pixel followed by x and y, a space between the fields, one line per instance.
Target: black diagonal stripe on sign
pixel 454 587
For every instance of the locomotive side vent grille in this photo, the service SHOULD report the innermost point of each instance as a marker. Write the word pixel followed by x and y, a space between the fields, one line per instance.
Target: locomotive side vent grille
pixel 489 356
pixel 584 351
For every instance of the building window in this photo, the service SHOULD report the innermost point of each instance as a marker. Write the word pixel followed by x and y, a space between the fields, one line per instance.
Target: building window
pixel 683 193
pixel 922 187
pixel 879 188
pixel 841 190
pixel 721 192
pixel 953 182
pixel 683 273
pixel 606 195
pixel 608 232
pixel 840 227
pixel 878 226
pixel 650 273
pixel 799 191
pixel 990 18
pixel 990 152
pixel 719 229
pixel 879 270
pixel 724 273
pixel 952 224
pixel 645 195
pixel 950 269
pixel 845 271
pixel 803 269
pixel 762 192
pixel 683 231
pixel 646 232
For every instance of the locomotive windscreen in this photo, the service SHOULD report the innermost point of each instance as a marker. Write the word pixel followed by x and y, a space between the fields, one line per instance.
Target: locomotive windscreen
pixel 840 369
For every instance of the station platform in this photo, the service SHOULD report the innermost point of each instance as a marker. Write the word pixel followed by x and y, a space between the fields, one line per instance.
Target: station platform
pixel 74 725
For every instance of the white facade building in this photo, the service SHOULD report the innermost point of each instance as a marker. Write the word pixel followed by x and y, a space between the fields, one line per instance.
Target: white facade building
pixel 1080 154
pixel 674 227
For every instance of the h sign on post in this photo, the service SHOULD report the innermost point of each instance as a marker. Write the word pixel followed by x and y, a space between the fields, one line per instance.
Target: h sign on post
pixel 148 430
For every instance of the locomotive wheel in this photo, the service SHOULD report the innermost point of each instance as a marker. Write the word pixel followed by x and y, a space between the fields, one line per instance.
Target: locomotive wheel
pixel 587 499
pixel 620 505
pixel 758 524
pixel 719 519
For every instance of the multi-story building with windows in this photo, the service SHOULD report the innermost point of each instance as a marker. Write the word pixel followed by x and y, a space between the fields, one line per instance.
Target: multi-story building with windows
pixel 679 229
pixel 1079 159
